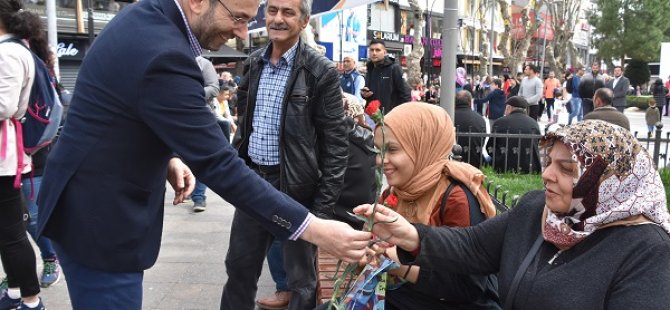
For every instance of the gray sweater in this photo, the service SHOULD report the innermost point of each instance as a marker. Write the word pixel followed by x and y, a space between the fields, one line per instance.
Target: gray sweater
pixel 531 89
pixel 622 267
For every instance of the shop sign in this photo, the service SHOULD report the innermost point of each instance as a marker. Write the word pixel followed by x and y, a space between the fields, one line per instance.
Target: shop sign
pixel 70 50
pixel 388 36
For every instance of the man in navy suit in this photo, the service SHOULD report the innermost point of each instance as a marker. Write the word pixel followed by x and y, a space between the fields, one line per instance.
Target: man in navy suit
pixel 138 105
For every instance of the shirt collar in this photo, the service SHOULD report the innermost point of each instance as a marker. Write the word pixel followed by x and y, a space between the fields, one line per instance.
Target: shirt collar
pixel 193 42
pixel 288 56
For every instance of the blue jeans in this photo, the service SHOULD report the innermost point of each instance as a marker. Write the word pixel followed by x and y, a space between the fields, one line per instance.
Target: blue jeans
pixel 198 194
pixel 576 110
pixel 276 264
pixel 30 194
pixel 96 289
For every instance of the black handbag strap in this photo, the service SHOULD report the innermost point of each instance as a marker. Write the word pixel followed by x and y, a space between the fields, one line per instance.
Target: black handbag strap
pixel 520 272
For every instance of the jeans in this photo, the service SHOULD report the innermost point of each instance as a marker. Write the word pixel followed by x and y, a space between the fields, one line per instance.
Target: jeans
pixel 30 194
pixel 275 259
pixel 550 107
pixel 96 289
pixel 16 253
pixel 576 110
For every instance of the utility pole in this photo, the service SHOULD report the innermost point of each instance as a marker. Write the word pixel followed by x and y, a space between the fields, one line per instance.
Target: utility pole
pixel 544 45
pixel 449 45
pixel 492 38
pixel 52 32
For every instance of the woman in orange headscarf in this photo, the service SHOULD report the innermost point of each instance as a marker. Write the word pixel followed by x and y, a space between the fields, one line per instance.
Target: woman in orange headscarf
pixel 417 139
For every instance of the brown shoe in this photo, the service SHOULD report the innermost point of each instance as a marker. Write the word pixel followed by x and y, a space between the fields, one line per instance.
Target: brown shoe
pixel 279 300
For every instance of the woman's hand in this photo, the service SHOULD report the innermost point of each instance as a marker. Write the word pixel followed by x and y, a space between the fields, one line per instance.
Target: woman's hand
pixel 391 227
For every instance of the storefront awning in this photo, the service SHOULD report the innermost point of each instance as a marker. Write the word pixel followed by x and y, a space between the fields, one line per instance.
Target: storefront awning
pixel 225 54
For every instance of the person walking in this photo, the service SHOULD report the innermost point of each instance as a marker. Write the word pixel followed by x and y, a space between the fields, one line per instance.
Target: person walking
pixel 576 100
pixel 384 81
pixel 552 86
pixel 17 75
pixel 620 86
pixel 130 128
pixel 531 90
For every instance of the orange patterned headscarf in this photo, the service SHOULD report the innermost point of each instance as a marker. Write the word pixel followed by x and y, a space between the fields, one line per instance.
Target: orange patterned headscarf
pixel 427 135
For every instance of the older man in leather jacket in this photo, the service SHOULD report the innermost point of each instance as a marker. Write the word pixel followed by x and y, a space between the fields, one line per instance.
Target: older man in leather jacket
pixel 292 133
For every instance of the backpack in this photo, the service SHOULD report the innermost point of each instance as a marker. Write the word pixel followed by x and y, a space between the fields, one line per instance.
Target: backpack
pixel 39 126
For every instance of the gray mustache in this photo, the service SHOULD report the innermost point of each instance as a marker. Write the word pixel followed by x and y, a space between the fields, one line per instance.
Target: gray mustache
pixel 279 27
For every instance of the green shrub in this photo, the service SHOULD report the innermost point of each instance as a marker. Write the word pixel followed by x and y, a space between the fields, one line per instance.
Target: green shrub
pixel 640 102
pixel 516 184
pixel 665 178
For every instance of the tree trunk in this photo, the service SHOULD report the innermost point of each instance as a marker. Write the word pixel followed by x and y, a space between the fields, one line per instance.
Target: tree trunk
pixel 519 51
pixel 414 58
pixel 483 39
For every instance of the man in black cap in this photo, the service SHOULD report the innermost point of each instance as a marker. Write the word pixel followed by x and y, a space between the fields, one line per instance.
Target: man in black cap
pixel 514 154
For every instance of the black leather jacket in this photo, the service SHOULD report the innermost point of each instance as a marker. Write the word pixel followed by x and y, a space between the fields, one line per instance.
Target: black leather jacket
pixel 313 144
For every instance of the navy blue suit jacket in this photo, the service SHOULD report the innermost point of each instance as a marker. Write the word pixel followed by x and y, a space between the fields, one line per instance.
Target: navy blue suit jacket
pixel 138 100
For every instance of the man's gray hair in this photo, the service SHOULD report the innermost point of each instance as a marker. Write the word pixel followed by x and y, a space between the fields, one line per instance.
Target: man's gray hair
pixel 306 8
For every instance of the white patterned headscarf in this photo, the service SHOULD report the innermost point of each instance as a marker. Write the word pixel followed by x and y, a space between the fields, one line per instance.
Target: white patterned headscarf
pixel 616 183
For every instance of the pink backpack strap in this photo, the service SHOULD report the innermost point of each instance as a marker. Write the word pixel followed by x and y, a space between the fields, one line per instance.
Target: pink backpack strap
pixel 19 152
pixel 3 147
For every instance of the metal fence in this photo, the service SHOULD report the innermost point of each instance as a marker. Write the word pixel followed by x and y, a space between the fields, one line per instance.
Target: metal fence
pixel 521 154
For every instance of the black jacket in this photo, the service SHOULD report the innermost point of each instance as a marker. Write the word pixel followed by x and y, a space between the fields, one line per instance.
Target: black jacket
pixel 621 267
pixel 359 180
pixel 313 144
pixel 466 120
pixel 510 154
pixel 386 83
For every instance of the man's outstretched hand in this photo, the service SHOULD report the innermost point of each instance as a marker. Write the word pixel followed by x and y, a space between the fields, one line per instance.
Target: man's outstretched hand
pixel 337 238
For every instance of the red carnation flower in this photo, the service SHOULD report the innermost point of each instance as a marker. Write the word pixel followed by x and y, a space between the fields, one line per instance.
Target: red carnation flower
pixel 392 201
pixel 373 111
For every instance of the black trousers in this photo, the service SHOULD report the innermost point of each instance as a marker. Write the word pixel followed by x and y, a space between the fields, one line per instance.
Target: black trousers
pixel 18 257
pixel 534 111
pixel 249 243
pixel 550 106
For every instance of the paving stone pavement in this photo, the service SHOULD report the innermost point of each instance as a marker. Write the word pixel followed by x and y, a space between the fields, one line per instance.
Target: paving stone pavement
pixel 190 271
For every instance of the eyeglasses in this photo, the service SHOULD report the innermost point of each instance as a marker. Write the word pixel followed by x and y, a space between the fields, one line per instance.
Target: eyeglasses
pixel 238 20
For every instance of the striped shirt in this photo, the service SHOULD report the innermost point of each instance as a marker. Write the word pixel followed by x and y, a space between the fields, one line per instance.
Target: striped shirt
pixel 264 139
pixel 195 46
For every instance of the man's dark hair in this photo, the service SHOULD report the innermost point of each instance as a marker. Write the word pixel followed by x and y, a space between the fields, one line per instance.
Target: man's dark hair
pixel 532 67
pixel 463 98
pixel 498 82
pixel 605 95
pixel 377 41
pixel 620 67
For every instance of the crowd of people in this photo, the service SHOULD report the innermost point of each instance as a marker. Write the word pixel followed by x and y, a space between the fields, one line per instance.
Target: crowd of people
pixel 288 145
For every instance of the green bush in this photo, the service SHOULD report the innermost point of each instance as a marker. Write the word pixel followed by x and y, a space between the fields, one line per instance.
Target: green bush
pixel 516 184
pixel 665 178
pixel 519 184
pixel 640 102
